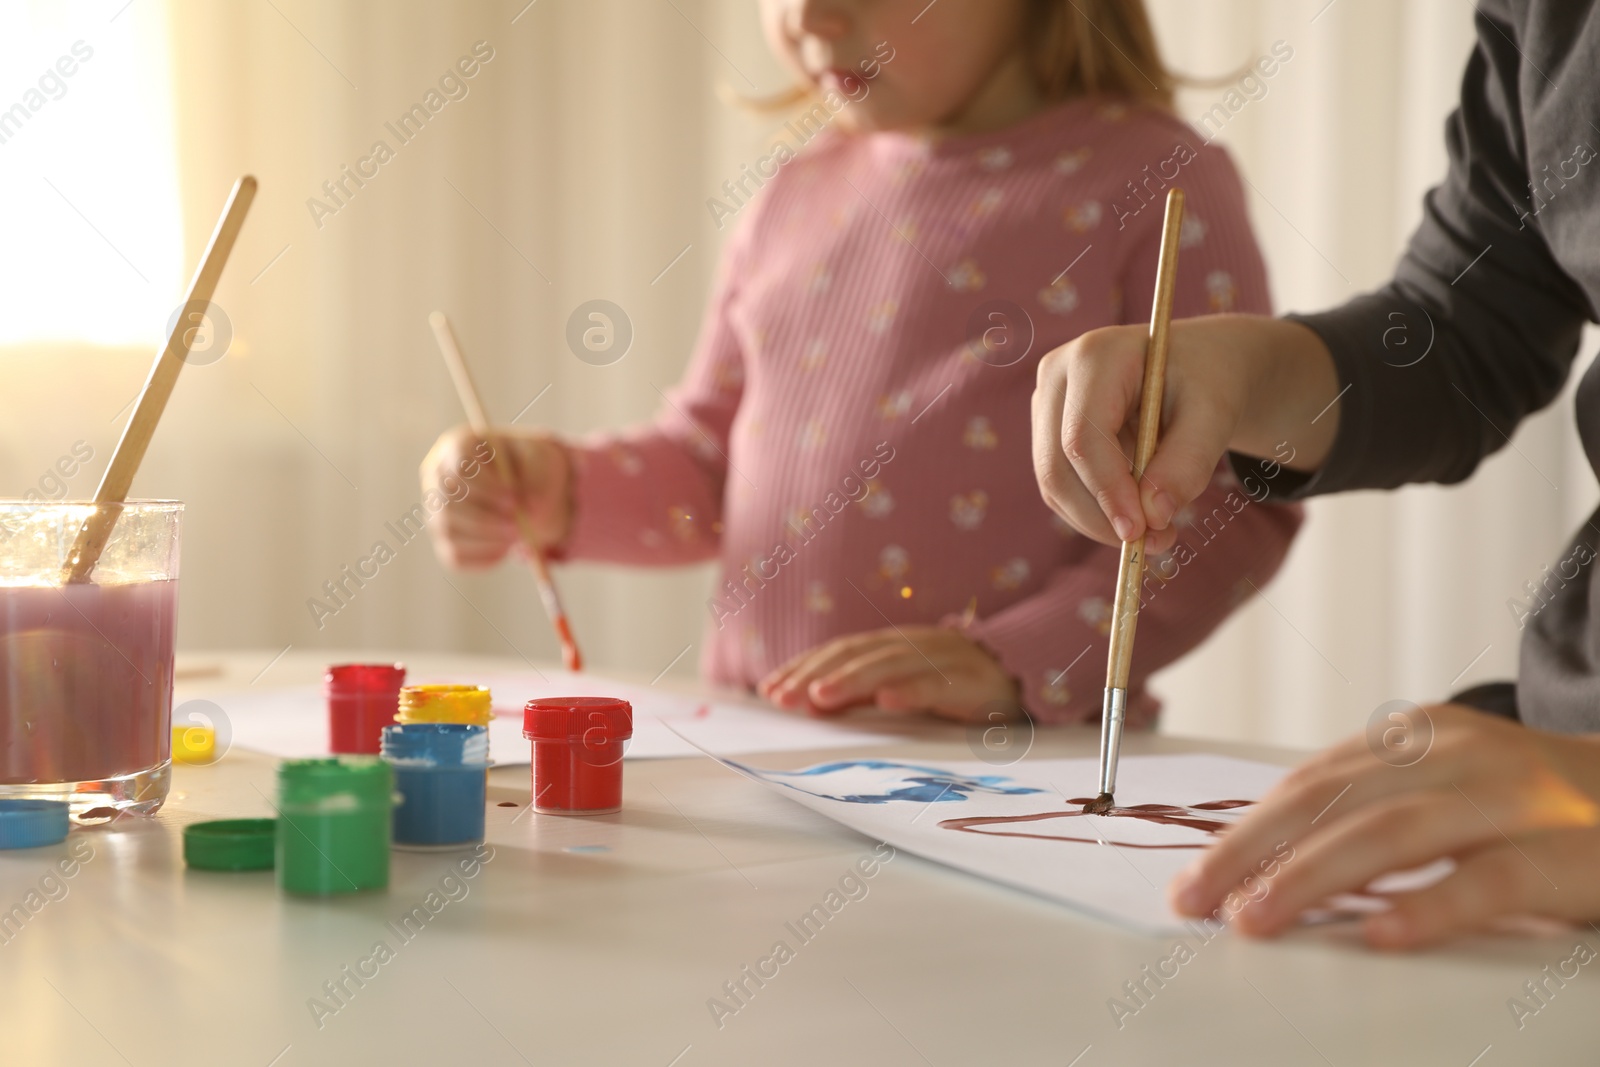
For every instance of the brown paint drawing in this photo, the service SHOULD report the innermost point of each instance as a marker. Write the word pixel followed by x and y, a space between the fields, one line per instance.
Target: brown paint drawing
pixel 1164 814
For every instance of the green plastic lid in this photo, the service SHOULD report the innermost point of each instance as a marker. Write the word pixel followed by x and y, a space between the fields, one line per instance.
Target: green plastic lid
pixel 230 844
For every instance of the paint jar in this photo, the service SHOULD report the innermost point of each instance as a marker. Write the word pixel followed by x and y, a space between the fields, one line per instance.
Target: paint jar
pixel 333 824
pixel 86 666
pixel 196 745
pixel 362 699
pixel 577 753
pixel 440 772
pixel 465 704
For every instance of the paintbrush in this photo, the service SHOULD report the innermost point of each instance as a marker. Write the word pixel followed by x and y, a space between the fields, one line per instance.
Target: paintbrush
pixel 1130 571
pixel 118 479
pixel 478 418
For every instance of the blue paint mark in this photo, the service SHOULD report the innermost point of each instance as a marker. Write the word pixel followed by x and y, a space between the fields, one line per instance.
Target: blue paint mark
pixel 880 781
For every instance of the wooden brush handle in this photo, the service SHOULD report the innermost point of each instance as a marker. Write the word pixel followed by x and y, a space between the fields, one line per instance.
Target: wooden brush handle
pixel 1130 570
pixel 118 478
pixel 478 419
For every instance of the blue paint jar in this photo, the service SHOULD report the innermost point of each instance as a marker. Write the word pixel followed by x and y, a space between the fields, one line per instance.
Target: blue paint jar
pixel 440 772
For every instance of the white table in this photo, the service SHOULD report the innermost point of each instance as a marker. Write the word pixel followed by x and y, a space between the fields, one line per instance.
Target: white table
pixel 601 940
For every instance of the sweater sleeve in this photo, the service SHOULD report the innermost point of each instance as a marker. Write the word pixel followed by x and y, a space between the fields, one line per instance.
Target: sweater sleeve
pixel 1479 326
pixel 1055 642
pixel 1234 544
pixel 653 494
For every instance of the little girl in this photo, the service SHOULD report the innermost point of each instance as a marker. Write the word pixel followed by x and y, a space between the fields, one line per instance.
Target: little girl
pixel 981 181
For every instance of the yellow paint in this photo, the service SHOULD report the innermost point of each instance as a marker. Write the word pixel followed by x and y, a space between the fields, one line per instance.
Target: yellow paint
pixel 194 744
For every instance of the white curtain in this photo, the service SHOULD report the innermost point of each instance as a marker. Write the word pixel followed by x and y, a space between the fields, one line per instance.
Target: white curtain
pixel 577 167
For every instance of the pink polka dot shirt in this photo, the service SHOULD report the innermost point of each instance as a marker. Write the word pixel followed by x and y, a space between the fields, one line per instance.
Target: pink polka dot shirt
pixel 851 440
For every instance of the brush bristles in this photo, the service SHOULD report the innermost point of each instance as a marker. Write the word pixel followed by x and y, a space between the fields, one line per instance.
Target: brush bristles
pixel 1099 805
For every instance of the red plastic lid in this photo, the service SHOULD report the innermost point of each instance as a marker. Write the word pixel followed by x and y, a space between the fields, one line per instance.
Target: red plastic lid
pixel 367 677
pixel 588 719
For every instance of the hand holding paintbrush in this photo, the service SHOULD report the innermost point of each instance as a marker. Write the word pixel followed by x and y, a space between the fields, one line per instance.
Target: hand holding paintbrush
pixel 478 419
pixel 1130 571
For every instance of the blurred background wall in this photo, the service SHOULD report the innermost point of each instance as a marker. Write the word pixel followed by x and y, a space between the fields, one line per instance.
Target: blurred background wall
pixel 576 166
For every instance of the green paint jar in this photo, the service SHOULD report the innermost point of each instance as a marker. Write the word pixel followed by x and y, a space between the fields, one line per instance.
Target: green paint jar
pixel 333 824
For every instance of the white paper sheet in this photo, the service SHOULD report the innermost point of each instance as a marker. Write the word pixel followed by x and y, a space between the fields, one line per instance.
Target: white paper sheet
pixel 1116 867
pixel 293 721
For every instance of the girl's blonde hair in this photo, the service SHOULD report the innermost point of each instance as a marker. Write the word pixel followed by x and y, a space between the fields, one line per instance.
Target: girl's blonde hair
pixel 1094 47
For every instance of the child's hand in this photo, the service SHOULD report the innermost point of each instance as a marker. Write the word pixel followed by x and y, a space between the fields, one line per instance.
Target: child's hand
pixel 477 524
pixel 914 668
pixel 1517 809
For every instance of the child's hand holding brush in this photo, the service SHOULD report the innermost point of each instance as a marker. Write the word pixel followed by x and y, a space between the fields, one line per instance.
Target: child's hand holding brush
pixel 476 528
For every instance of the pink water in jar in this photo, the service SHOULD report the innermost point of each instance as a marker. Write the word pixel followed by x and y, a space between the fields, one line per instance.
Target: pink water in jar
pixel 86 669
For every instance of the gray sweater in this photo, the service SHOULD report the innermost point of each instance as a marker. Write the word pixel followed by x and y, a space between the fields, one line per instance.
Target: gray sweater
pixel 1481 323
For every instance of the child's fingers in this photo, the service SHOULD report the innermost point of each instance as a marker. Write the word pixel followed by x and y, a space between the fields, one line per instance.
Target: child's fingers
pixel 447 461
pixel 1503 878
pixel 964 695
pixel 470 539
pixel 473 496
pixel 777 677
pixel 788 690
pixel 1489 882
pixel 1312 792
pixel 455 524
pixel 1185 461
pixel 949 695
pixel 796 690
pixel 856 679
pixel 1087 391
pixel 1345 855
pixel 1499 773
pixel 483 506
pixel 469 554
pixel 528 463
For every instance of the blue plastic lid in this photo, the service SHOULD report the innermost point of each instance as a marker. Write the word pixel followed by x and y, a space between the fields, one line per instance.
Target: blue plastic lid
pixel 26 823
pixel 435 744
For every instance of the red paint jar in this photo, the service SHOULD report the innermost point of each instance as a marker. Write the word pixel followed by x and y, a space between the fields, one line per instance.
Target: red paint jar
pixel 577 753
pixel 362 700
